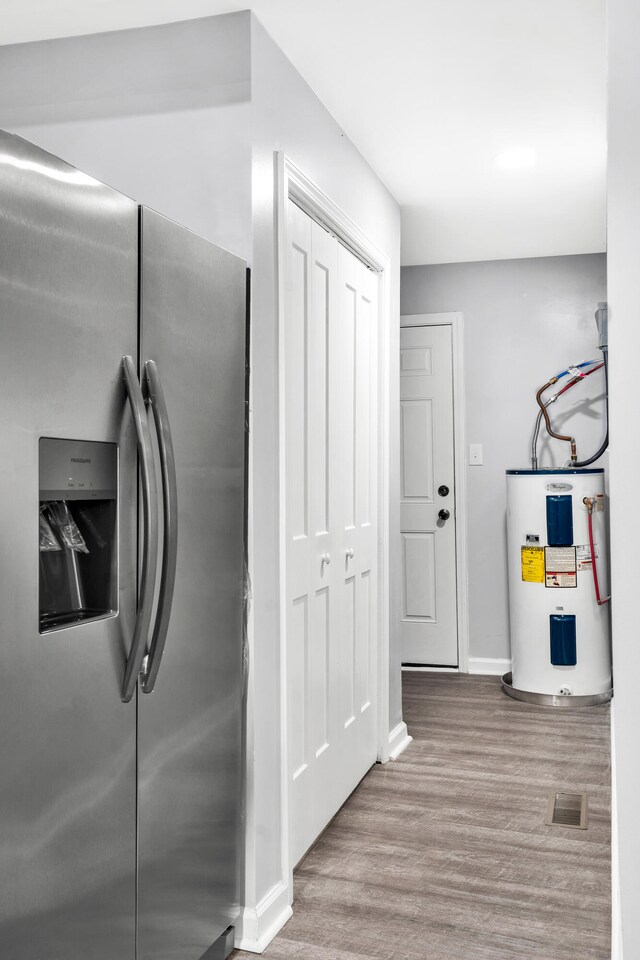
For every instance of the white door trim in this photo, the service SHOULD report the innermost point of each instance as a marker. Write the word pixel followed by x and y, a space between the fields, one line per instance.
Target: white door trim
pixel 456 322
pixel 294 185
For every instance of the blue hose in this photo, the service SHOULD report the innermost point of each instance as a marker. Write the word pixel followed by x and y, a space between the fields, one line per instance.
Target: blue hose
pixel 577 366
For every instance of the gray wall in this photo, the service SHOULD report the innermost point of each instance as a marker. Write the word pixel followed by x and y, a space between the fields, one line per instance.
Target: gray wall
pixel 623 229
pixel 524 321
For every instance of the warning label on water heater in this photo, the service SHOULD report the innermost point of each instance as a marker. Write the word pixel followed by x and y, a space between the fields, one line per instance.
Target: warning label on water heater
pixel 560 567
pixel 583 555
pixel 532 564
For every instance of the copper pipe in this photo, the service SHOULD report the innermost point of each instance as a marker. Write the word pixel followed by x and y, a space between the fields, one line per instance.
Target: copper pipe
pixel 572 383
pixel 557 436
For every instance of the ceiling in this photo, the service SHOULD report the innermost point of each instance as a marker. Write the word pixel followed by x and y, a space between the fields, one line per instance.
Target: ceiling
pixel 432 93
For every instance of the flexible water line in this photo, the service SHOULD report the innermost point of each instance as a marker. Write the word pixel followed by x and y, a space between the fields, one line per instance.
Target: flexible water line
pixel 577 366
pixel 605 442
pixel 599 600
pixel 572 383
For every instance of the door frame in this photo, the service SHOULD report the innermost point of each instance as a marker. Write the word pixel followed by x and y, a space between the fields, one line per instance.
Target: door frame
pixel 456 322
pixel 293 184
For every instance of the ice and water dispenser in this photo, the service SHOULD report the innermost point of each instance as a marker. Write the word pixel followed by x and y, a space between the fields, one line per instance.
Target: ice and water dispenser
pixel 78 531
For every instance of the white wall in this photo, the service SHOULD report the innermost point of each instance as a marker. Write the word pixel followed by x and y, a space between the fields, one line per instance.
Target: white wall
pixel 624 297
pixel 161 114
pixel 524 321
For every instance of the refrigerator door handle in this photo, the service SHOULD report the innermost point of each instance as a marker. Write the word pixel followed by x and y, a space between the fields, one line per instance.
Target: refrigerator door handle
pixel 170 515
pixel 150 529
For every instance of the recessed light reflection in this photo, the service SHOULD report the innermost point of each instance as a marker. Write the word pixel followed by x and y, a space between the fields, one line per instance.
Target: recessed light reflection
pixel 517 158
pixel 65 176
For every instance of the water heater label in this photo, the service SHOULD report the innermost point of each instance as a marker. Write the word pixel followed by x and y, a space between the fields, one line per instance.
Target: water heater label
pixel 560 567
pixel 532 564
pixel 583 554
pixel 559 487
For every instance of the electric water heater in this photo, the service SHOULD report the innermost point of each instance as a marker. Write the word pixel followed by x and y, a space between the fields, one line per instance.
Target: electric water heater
pixel 560 633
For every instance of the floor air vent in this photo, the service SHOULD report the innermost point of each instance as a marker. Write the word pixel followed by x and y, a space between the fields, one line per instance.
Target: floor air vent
pixel 567 810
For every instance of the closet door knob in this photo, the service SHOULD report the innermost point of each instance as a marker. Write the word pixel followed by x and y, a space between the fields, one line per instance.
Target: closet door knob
pixel 349 553
pixel 325 558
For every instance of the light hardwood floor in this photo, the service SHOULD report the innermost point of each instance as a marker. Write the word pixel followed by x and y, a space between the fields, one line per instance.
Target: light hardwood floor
pixel 444 854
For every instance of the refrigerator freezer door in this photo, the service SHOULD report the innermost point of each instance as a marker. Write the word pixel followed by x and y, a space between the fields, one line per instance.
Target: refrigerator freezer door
pixel 193 327
pixel 68 312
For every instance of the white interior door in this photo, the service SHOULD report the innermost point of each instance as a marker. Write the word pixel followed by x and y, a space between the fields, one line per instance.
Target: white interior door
pixel 427 515
pixel 331 510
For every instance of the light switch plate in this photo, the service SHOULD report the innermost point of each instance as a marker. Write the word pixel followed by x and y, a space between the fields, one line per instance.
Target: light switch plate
pixel 475 454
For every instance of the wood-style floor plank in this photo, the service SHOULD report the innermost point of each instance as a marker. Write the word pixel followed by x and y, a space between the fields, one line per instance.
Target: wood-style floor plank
pixel 444 854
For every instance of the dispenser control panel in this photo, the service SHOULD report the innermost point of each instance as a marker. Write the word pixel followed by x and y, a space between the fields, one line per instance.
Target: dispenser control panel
pixel 78 469
pixel 78 514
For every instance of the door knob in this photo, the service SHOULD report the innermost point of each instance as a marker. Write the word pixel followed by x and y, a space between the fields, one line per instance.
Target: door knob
pixel 349 553
pixel 443 514
pixel 325 558
pixel 443 490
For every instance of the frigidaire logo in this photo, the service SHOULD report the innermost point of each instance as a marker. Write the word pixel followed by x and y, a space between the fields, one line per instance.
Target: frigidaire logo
pixel 80 459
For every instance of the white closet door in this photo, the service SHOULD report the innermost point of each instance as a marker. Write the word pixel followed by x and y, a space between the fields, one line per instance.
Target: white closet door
pixel 354 432
pixel 330 409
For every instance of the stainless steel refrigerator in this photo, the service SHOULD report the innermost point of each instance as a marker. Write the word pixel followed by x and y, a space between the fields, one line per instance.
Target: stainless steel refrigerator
pixel 122 429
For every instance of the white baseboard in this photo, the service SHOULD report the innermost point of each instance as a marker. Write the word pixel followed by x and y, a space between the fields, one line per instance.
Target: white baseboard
pixel 257 926
pixel 399 740
pixel 417 669
pixel 489 666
